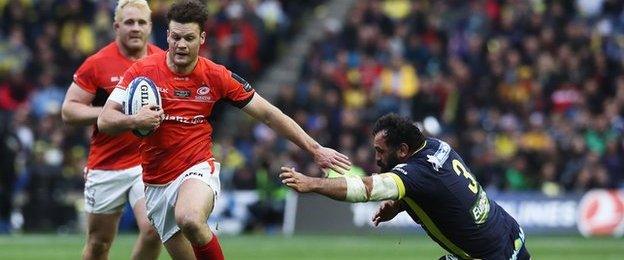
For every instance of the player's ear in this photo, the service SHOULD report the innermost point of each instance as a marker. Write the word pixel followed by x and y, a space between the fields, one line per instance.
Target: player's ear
pixel 403 150
pixel 202 37
pixel 149 27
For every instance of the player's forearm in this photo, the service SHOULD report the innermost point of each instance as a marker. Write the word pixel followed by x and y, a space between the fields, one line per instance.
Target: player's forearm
pixel 114 122
pixel 334 188
pixel 75 113
pixel 273 117
pixel 378 187
pixel 288 128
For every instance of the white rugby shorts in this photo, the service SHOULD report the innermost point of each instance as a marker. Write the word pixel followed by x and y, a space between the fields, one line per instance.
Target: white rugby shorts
pixel 106 192
pixel 161 199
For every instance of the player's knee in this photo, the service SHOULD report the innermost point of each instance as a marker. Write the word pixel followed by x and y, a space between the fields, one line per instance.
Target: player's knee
pixel 150 235
pixel 190 223
pixel 97 247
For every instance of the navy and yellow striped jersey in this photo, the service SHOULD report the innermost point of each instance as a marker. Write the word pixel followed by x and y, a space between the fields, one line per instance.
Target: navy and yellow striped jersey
pixel 442 195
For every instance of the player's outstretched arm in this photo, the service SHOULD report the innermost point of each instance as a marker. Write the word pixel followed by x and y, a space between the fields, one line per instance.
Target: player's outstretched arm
pixel 350 188
pixel 325 157
pixel 77 109
pixel 113 121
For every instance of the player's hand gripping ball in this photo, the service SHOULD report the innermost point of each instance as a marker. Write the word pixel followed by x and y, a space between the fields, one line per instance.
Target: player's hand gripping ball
pixel 142 92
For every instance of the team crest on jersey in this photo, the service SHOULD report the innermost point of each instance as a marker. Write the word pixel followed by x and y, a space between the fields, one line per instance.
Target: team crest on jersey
pixel 246 85
pixel 203 94
pixel 399 168
pixel 203 90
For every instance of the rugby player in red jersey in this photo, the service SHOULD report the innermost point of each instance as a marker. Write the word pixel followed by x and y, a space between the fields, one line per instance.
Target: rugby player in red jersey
pixel 181 177
pixel 113 171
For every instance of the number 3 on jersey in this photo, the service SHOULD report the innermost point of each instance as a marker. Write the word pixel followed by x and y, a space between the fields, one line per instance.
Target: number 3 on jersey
pixel 460 169
pixel 481 208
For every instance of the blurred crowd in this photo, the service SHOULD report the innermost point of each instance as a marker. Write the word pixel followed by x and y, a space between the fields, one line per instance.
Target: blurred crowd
pixel 529 92
pixel 42 43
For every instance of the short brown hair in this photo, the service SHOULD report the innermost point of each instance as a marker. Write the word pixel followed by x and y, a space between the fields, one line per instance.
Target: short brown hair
pixel 188 11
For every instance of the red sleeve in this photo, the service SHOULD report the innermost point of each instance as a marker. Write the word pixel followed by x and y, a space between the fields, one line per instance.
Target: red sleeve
pixel 128 76
pixel 236 90
pixel 85 77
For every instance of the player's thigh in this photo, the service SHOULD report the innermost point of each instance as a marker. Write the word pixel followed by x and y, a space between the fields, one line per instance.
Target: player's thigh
pixel 197 192
pixel 195 199
pixel 102 227
pixel 136 197
pixel 140 214
pixel 179 248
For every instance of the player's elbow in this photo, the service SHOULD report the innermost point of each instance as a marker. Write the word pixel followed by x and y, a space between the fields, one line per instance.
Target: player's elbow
pixel 67 114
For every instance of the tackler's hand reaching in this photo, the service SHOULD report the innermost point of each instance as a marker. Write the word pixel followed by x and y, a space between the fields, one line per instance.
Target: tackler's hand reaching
pixel 296 180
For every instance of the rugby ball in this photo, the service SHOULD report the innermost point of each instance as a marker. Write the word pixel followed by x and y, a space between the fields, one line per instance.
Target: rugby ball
pixel 141 92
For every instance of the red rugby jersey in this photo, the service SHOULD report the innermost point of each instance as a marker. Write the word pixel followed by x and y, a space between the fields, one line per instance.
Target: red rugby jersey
pixel 184 137
pixel 98 75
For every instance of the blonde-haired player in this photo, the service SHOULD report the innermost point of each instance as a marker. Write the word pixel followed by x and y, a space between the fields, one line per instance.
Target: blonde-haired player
pixel 113 171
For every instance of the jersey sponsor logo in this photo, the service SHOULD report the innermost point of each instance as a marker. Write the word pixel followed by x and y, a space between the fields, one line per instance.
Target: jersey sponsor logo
pixel 181 78
pixel 246 85
pixel 399 168
pixel 199 119
pixel 439 157
pixel 601 212
pixel 163 90
pixel 481 208
pixel 182 93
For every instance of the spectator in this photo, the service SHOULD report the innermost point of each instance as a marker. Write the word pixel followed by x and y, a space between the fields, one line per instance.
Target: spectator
pixel 530 92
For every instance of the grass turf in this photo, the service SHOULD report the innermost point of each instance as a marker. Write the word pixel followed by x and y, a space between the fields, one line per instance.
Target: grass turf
pixel 259 247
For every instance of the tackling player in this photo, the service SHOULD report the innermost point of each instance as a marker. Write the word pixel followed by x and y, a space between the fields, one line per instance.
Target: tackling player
pixel 426 178
pixel 113 171
pixel 181 177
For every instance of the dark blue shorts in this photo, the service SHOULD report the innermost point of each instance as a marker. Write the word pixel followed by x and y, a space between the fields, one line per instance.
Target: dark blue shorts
pixel 514 248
